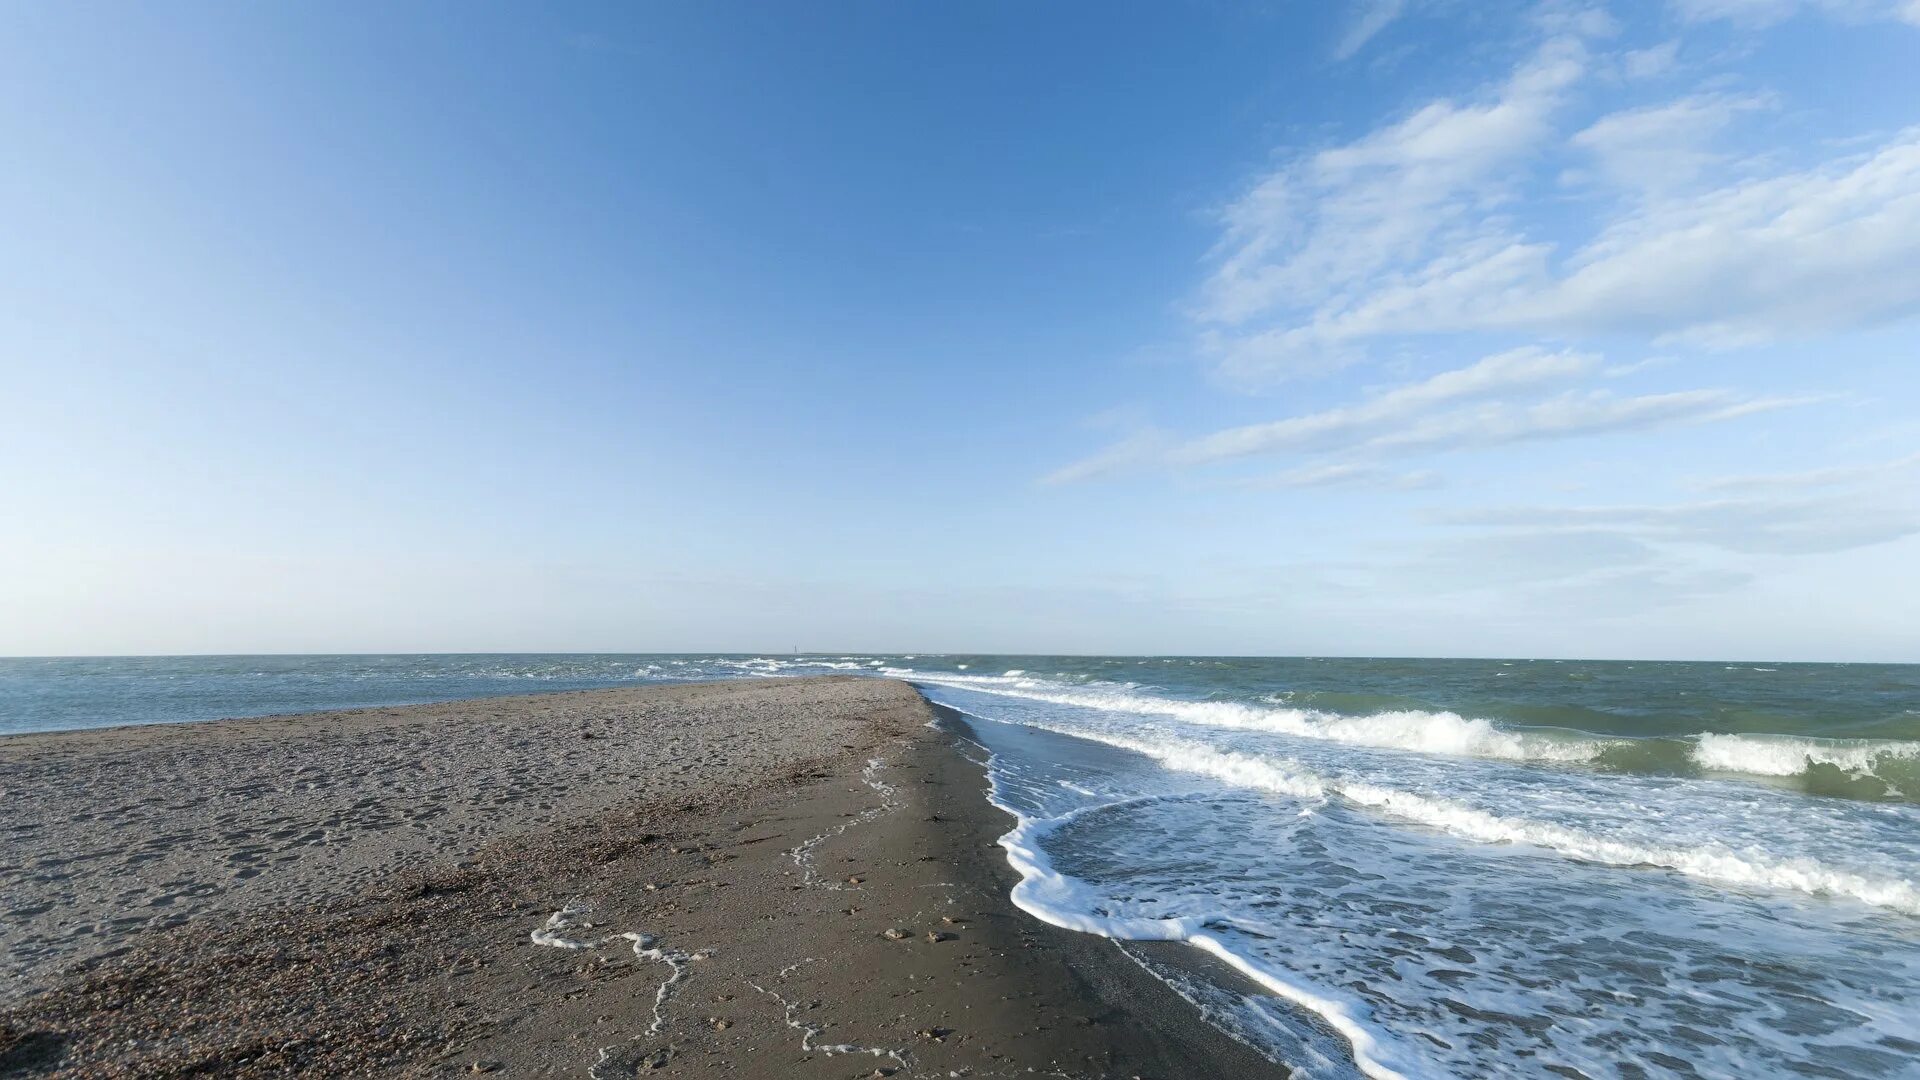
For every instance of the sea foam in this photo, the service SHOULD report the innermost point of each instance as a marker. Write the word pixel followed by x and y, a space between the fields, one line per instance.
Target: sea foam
pixel 1436 937
pixel 1063 901
pixel 1751 866
pixel 1790 755
pixel 1450 734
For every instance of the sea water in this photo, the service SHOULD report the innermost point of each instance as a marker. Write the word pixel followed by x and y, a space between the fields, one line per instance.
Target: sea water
pixel 1418 867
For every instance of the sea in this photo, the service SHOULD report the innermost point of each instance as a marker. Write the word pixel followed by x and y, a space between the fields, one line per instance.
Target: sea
pixel 1394 867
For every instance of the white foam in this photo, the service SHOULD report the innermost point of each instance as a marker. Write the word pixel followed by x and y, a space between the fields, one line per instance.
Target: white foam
pixel 1055 898
pixel 554 934
pixel 1415 730
pixel 803 854
pixel 1440 733
pixel 1750 867
pixel 1356 862
pixel 810 1032
pixel 1789 755
pixel 559 933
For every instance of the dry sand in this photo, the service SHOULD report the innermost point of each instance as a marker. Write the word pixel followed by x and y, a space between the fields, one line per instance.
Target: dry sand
pixel 115 830
pixel 707 884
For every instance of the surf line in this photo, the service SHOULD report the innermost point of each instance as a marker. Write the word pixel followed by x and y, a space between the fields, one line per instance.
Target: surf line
pixel 1045 893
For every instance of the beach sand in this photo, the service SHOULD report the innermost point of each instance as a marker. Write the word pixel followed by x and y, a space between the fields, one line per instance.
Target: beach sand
pixel 659 881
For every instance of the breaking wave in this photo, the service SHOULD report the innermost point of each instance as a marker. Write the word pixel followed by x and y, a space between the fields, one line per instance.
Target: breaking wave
pixel 1718 862
pixel 1850 768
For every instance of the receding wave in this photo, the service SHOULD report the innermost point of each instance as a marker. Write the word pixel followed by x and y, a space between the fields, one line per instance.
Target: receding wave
pixel 1057 898
pixel 1849 768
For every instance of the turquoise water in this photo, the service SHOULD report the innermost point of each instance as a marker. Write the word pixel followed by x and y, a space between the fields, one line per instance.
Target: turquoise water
pixel 1433 867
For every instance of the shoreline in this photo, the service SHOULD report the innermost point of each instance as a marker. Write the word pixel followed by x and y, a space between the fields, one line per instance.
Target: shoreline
pixel 731 916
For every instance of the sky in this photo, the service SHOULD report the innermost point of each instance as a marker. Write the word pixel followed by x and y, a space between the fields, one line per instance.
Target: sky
pixel 1382 327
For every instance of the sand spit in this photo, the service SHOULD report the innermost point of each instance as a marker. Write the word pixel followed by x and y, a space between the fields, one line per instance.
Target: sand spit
pixel 720 906
pixel 116 830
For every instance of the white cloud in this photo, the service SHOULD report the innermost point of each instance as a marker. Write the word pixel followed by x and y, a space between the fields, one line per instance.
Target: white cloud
pixel 1749 12
pixel 1759 13
pixel 1879 472
pixel 1825 249
pixel 1662 147
pixel 1651 62
pixel 1344 474
pixel 1633 591
pixel 1333 428
pixel 1828 248
pixel 1142 448
pixel 1444 220
pixel 1317 227
pixel 1636 555
pixel 1572 415
pixel 1505 559
pixel 1371 17
pixel 1510 397
pixel 1573 17
pixel 1772 526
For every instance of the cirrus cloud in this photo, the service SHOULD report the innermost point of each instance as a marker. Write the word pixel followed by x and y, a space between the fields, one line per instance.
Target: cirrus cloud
pixel 1522 395
pixel 1473 215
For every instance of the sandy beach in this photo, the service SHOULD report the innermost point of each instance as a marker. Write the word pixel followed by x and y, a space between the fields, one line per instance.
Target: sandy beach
pixel 791 877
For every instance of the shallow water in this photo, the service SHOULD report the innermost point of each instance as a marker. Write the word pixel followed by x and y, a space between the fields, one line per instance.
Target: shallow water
pixel 1439 893
pixel 1436 867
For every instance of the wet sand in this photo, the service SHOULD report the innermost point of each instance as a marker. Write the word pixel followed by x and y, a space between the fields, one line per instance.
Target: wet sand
pixel 764 878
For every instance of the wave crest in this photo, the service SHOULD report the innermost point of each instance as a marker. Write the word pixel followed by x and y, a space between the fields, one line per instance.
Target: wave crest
pixel 1860 768
pixel 1851 768
pixel 1750 867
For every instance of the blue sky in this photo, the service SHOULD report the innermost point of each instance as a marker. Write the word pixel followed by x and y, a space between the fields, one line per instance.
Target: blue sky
pixel 1409 328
